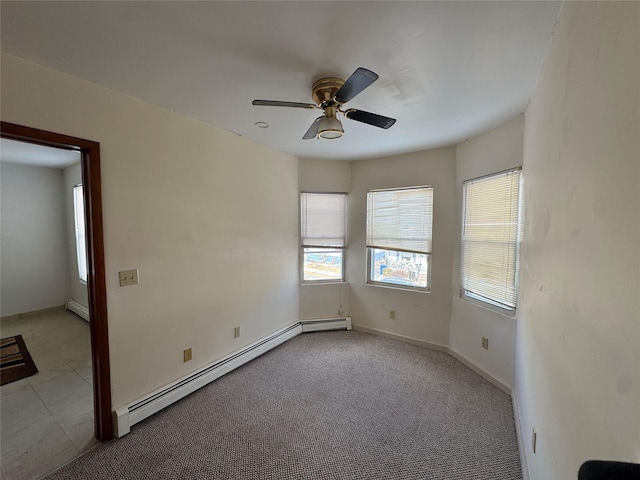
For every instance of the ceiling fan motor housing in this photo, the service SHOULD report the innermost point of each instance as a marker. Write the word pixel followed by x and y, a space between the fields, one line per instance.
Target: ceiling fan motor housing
pixel 329 94
pixel 325 89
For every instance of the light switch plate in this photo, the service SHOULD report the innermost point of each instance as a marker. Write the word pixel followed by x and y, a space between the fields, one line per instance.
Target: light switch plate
pixel 128 277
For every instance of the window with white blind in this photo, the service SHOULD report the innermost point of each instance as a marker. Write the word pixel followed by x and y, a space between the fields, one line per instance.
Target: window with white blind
pixel 399 237
pixel 81 245
pixel 490 239
pixel 323 236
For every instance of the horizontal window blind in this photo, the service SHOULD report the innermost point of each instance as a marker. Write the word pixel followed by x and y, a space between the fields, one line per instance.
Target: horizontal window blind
pixel 323 219
pixel 400 219
pixel 490 232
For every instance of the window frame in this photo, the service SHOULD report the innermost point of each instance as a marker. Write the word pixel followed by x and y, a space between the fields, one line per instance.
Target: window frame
pixel 79 221
pixel 476 298
pixel 397 286
pixel 369 280
pixel 304 247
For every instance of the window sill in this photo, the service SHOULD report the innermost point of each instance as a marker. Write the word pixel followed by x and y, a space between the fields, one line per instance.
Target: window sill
pixel 488 306
pixel 82 282
pixel 325 282
pixel 398 287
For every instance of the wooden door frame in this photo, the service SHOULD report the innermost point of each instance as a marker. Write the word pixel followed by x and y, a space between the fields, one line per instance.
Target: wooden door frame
pixel 96 286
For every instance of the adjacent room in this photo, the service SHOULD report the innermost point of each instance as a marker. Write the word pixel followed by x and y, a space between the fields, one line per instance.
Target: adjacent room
pixel 321 239
pixel 44 301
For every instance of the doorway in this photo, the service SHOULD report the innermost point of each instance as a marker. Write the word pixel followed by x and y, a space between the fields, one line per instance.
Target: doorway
pixel 96 286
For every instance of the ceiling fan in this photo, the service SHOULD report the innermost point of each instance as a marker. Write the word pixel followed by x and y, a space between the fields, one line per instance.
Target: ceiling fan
pixel 330 94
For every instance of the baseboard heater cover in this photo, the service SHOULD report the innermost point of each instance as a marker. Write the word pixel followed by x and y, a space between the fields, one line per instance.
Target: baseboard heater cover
pixel 77 308
pixel 128 415
pixel 340 323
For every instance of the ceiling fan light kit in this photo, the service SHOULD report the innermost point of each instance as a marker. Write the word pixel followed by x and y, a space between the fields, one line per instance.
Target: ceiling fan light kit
pixel 330 127
pixel 329 94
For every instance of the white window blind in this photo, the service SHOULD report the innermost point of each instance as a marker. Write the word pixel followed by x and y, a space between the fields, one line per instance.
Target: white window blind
pixel 400 219
pixel 323 219
pixel 81 247
pixel 490 234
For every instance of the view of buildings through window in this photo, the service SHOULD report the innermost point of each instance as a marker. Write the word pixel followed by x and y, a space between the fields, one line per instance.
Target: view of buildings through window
pixel 400 268
pixel 323 236
pixel 398 237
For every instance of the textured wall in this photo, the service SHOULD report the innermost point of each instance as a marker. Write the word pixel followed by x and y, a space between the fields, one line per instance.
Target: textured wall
pixel 209 219
pixel 578 354
pixel 324 300
pixel 494 151
pixel 419 316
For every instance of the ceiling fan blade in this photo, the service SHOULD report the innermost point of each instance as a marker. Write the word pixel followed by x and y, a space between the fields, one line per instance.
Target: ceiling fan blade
pixel 313 129
pixel 356 83
pixel 277 103
pixel 370 118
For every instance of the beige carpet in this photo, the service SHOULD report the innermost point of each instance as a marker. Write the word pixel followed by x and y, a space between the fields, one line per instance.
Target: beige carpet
pixel 330 405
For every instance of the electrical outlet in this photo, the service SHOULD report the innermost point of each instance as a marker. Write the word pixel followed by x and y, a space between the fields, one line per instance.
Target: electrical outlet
pixel 340 311
pixel 485 343
pixel 188 354
pixel 534 439
pixel 236 332
pixel 128 277
pixel 392 314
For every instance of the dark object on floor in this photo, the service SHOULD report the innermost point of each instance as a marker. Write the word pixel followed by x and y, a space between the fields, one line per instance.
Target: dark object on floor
pixel 606 470
pixel 16 361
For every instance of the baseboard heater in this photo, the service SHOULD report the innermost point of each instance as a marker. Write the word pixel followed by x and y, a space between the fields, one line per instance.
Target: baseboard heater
pixel 128 415
pixel 77 308
pixel 341 323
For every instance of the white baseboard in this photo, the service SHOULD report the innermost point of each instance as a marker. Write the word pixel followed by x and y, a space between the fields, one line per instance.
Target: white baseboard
pixel 126 416
pixel 522 442
pixel 441 348
pixel 468 363
pixel 318 325
pixel 77 308
pixel 18 316
pixel 402 338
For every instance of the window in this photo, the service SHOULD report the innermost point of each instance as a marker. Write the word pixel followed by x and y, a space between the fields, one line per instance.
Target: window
pixel 490 230
pixel 399 237
pixel 81 247
pixel 323 236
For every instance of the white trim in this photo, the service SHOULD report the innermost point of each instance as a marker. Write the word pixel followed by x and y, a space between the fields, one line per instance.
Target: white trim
pixel 402 338
pixel 340 323
pixel 77 308
pixel 441 348
pixel 18 316
pixel 468 363
pixel 487 304
pixel 522 443
pixel 127 415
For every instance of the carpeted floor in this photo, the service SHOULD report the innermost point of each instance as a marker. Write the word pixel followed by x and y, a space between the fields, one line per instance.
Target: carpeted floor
pixel 330 405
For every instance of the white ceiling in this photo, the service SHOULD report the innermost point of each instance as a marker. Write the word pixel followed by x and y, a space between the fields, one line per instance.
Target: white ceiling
pixel 448 70
pixel 23 153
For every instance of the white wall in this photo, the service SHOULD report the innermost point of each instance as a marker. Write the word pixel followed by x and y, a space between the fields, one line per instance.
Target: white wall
pixel 209 219
pixel 578 343
pixel 494 151
pixel 327 299
pixel 34 266
pixel 422 317
pixel 77 290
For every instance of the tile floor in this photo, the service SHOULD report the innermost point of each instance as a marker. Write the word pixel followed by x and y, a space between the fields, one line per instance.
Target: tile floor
pixel 47 419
